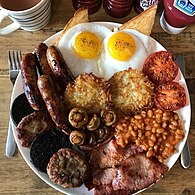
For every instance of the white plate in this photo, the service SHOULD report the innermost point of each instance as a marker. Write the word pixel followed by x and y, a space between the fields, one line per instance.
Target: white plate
pixel 185 113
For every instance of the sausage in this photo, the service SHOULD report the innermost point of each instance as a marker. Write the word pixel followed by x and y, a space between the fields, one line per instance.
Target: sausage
pixel 43 66
pixel 40 52
pixel 29 81
pixel 53 102
pixel 58 66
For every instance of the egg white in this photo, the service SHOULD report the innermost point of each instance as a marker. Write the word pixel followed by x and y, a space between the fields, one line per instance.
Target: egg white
pixel 107 65
pixel 76 64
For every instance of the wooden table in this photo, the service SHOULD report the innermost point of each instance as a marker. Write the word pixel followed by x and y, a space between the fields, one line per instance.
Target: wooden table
pixel 15 175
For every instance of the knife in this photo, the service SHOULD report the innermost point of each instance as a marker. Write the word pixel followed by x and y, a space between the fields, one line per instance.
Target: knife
pixel 185 157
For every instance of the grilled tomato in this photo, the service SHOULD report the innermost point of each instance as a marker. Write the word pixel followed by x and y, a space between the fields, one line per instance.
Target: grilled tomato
pixel 160 67
pixel 170 96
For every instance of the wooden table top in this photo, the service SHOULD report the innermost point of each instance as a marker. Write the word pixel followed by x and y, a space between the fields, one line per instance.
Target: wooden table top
pixel 15 175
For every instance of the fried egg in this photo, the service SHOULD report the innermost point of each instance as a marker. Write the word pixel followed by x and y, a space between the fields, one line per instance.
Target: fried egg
pixel 121 50
pixel 81 47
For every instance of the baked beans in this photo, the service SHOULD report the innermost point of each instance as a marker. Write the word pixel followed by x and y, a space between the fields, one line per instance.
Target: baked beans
pixel 155 130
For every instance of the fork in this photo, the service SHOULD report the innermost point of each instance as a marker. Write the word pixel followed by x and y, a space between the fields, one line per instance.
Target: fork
pixel 14 60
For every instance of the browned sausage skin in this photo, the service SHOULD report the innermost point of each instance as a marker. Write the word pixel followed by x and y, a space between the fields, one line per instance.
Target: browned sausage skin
pixel 53 102
pixel 40 52
pixel 59 66
pixel 43 66
pixel 29 81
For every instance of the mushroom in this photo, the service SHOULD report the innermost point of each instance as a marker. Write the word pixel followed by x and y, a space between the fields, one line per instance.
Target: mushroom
pixel 90 138
pixel 94 123
pixel 78 117
pixel 96 139
pixel 108 116
pixel 77 137
pixel 102 133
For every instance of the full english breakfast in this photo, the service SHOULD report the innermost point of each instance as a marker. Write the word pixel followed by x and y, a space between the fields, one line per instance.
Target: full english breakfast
pixel 109 102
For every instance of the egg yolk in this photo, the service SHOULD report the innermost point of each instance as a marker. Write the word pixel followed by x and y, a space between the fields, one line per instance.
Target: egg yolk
pixel 87 45
pixel 121 46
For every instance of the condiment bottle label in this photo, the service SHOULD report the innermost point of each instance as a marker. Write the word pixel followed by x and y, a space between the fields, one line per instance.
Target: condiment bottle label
pixel 145 4
pixel 185 6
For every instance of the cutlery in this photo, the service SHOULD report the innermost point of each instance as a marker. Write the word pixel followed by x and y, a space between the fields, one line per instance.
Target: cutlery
pixel 185 157
pixel 14 59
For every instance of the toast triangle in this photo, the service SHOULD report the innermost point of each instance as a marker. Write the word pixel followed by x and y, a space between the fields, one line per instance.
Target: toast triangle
pixel 143 22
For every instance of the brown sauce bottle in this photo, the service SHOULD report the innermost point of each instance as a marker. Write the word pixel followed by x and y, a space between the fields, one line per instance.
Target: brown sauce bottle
pixel 118 8
pixel 92 5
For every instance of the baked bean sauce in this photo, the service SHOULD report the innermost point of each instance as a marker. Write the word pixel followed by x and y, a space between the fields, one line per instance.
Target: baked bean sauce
pixel 156 131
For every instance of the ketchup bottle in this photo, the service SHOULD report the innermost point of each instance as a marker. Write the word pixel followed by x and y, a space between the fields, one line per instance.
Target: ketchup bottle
pixel 142 5
pixel 92 5
pixel 118 8
pixel 178 14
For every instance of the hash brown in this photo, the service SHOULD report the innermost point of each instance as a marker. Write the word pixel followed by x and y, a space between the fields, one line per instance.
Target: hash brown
pixel 89 92
pixel 131 91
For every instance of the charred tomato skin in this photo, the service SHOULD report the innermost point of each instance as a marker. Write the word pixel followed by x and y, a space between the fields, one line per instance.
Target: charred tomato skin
pixel 170 96
pixel 161 67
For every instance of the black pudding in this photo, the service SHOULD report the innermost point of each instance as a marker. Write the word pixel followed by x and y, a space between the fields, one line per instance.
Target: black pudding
pixel 20 108
pixel 45 145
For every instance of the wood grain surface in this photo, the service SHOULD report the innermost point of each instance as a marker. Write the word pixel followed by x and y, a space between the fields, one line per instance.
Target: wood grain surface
pixel 15 175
